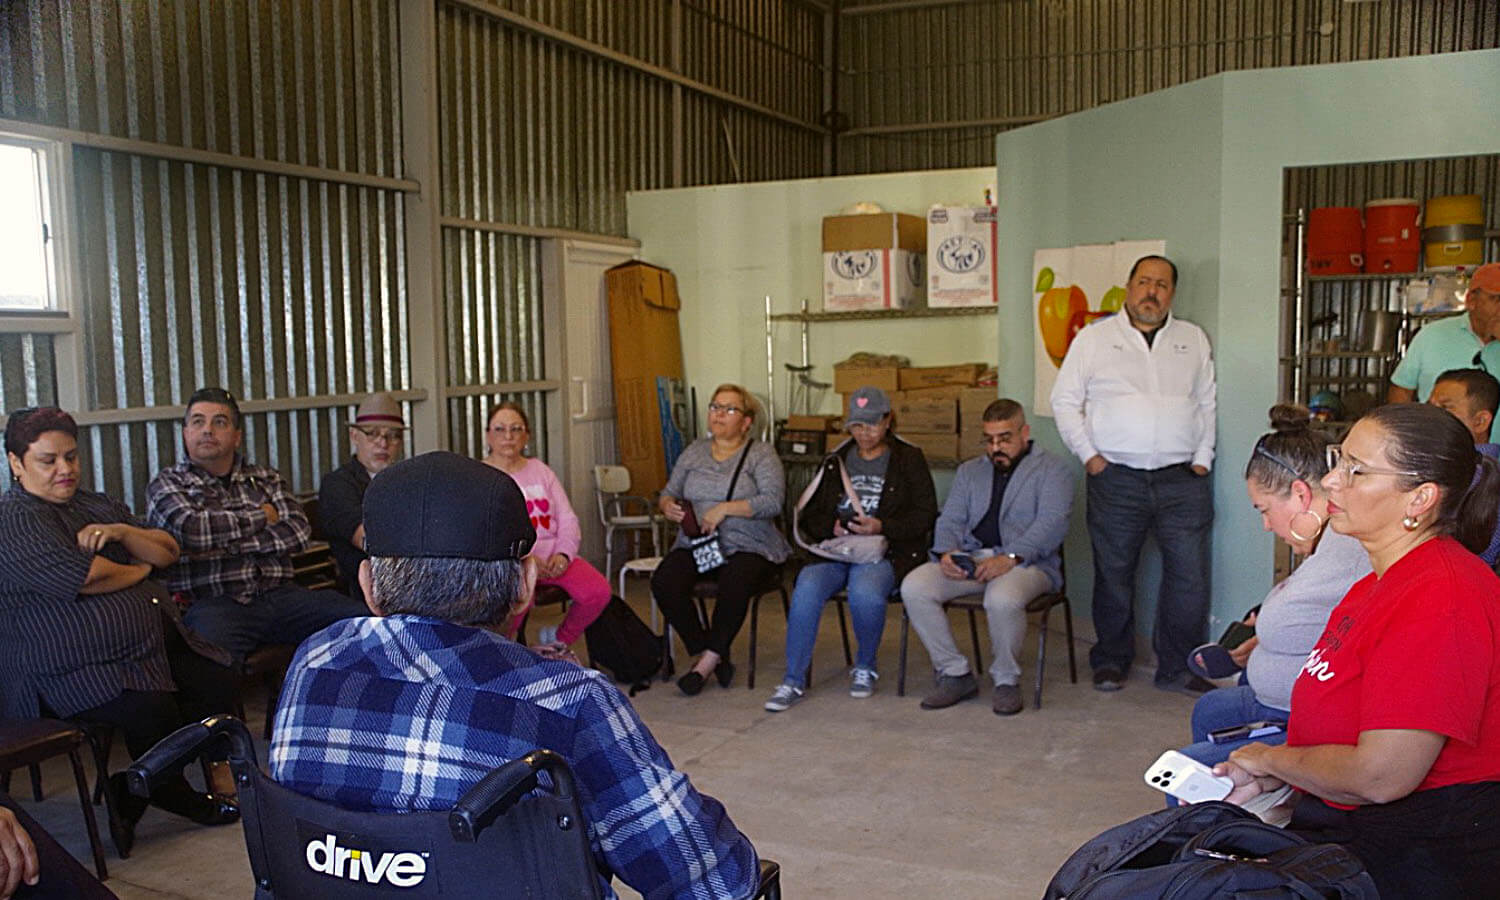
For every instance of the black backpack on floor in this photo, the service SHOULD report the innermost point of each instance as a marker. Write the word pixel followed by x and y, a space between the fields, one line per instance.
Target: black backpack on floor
pixel 620 642
pixel 1208 850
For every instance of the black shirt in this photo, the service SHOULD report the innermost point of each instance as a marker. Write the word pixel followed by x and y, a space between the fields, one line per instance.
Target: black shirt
pixel 341 509
pixel 987 532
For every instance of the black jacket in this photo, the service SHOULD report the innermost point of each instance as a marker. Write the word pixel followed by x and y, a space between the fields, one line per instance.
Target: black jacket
pixel 907 511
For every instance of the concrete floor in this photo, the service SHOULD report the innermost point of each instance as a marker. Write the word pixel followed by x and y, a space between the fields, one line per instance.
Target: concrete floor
pixel 870 798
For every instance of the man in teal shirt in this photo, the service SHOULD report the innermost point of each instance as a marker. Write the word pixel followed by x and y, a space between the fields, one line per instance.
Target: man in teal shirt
pixel 1459 342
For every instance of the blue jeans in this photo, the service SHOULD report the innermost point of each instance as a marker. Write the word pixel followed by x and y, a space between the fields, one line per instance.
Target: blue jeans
pixel 869 587
pixel 1228 708
pixel 1176 506
pixel 285 614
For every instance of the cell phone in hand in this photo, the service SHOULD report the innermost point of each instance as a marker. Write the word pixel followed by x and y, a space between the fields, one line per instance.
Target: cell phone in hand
pixel 1187 779
pixel 1237 633
pixel 963 561
pixel 1247 732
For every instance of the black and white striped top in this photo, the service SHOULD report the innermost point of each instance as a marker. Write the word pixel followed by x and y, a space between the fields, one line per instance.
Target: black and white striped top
pixel 71 650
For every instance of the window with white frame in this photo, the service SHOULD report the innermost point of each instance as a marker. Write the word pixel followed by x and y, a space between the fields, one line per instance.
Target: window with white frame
pixel 28 268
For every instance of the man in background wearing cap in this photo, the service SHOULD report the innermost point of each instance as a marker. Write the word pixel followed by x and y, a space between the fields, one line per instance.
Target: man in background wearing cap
pixel 1456 342
pixel 431 689
pixel 238 525
pixel 375 436
pixel 999 534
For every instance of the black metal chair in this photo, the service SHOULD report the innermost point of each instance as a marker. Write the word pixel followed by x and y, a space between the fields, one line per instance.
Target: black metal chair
pixel 973 604
pixel 26 743
pixel 708 589
pixel 521 823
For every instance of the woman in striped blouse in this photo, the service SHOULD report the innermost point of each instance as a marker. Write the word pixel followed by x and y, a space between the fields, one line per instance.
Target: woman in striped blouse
pixel 83 634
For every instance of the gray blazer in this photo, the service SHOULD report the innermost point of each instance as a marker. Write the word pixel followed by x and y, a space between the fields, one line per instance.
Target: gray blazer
pixel 1033 515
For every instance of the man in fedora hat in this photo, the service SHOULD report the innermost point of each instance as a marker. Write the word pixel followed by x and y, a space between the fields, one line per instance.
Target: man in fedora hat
pixel 431 688
pixel 376 436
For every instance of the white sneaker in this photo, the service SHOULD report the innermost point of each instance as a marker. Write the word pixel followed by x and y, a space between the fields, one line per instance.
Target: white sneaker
pixel 785 696
pixel 547 634
pixel 864 683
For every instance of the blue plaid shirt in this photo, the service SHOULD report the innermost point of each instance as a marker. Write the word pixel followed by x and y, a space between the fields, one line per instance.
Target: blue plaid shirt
pixel 407 713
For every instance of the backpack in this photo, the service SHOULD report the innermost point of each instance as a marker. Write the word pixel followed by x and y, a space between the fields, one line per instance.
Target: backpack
pixel 1208 850
pixel 621 643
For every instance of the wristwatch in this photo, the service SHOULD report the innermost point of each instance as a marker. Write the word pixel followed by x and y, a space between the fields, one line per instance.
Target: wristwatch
pixel 1016 557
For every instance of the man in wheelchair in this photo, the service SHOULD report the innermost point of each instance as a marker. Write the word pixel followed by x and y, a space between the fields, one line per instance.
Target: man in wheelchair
pixel 408 710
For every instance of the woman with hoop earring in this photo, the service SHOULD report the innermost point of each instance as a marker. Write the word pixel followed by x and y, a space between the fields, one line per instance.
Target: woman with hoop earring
pixel 1283 479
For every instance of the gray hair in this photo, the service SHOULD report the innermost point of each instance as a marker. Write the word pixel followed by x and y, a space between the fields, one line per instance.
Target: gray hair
pixel 463 591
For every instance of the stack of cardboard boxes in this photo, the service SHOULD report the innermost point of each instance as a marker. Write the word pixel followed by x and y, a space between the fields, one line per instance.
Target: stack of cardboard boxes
pixel 938 408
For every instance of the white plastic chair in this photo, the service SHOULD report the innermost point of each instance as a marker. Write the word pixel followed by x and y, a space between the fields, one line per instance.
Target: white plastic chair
pixel 620 510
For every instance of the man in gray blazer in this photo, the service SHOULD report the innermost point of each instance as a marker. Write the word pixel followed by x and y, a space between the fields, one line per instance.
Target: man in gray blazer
pixel 999 534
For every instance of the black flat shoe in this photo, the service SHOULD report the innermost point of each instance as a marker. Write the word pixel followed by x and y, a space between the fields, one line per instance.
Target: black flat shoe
pixel 206 809
pixel 125 810
pixel 690 684
pixel 724 672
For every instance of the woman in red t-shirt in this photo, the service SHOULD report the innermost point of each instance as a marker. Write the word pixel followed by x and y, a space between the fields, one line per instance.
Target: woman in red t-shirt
pixel 1394 735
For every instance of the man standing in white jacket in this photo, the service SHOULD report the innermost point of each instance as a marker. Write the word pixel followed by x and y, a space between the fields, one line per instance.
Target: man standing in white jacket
pixel 1134 401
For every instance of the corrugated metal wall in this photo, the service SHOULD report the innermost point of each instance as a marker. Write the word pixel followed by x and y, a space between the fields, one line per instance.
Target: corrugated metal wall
pixel 193 274
pixel 1022 61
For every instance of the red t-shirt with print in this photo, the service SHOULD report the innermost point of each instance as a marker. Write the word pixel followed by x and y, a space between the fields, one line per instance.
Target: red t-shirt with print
pixel 1418 648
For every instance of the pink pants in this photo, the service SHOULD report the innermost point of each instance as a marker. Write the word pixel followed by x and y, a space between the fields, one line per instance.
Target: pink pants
pixel 589 591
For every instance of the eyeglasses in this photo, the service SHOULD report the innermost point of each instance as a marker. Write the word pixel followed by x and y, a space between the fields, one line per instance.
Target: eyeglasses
pixel 1347 468
pixel 998 440
pixel 726 410
pixel 386 435
pixel 508 429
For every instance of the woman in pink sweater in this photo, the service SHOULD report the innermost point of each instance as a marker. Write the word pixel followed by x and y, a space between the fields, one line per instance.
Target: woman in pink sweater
pixel 557 534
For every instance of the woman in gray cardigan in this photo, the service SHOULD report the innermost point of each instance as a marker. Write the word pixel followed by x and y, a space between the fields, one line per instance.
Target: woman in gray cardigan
pixel 731 486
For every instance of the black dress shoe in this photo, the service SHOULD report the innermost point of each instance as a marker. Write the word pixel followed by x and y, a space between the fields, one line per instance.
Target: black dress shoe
pixel 724 671
pixel 206 809
pixel 690 684
pixel 125 810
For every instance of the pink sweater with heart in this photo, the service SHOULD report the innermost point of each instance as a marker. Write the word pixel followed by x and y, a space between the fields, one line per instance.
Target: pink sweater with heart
pixel 551 514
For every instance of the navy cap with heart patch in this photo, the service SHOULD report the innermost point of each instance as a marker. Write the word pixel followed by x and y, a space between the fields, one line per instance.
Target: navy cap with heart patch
pixel 441 504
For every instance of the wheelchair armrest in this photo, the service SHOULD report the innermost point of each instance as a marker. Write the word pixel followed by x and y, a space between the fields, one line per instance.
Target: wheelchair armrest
pixel 170 753
pixel 770 880
pixel 498 791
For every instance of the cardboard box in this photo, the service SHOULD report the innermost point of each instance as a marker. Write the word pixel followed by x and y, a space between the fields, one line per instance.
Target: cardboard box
pixel 873 261
pixel 848 379
pixel 971 406
pixel 877 231
pixel 939 376
pixel 872 279
pixel 962 245
pixel 811 423
pixel 934 412
pixel 832 440
pixel 934 446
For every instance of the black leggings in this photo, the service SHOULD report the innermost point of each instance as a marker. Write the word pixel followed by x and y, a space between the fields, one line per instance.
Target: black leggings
pixel 740 578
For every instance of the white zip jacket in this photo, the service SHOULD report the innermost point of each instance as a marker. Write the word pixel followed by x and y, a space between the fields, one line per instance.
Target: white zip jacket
pixel 1138 406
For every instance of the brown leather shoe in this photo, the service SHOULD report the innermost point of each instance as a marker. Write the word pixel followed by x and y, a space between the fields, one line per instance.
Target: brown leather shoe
pixel 950 690
pixel 1007 700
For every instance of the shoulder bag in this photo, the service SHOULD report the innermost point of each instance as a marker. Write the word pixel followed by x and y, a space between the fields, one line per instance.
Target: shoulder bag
pixel 855 549
pixel 708 553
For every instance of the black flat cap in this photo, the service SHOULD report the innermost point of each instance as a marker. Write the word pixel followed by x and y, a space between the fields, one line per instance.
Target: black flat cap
pixel 441 504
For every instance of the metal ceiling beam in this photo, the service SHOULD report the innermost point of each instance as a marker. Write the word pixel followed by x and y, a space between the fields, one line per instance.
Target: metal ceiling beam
pixel 910 127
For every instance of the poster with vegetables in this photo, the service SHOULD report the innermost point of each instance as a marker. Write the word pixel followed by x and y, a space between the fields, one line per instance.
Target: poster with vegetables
pixel 1073 287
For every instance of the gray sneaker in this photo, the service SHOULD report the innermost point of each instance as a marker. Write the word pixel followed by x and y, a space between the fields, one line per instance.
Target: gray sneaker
pixel 1007 700
pixel 863 684
pixel 950 690
pixel 785 696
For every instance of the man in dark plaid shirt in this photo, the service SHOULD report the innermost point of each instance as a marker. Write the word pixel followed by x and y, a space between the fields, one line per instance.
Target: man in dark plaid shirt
pixel 237 525
pixel 409 709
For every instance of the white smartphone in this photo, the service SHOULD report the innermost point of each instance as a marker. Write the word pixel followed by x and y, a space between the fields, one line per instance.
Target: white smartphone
pixel 1187 779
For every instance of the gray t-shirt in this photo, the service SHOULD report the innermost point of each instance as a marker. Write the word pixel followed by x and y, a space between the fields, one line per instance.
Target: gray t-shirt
pixel 868 478
pixel 703 481
pixel 1294 614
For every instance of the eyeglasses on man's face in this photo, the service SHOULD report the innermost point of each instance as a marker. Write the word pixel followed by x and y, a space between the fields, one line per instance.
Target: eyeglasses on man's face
pixel 724 409
pixel 1347 467
pixel 380 435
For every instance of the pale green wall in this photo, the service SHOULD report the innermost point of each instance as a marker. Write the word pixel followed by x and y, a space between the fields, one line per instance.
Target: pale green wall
pixel 1201 165
pixel 732 245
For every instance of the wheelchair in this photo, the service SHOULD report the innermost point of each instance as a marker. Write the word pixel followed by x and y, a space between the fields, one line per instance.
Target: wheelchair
pixel 503 838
